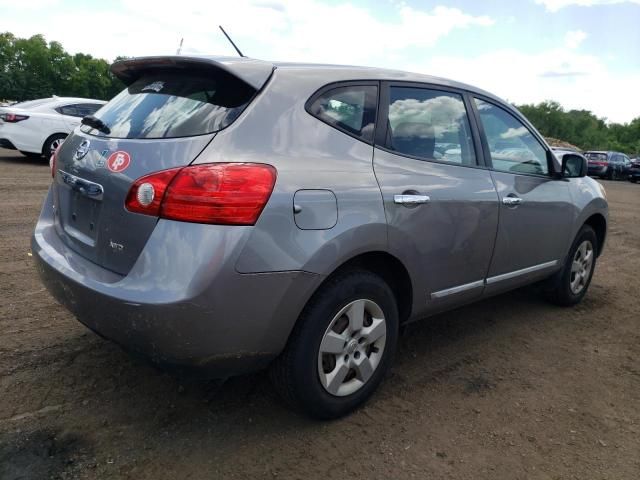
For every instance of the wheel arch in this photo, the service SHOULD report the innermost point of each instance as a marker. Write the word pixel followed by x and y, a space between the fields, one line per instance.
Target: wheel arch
pixel 599 225
pixel 48 139
pixel 390 269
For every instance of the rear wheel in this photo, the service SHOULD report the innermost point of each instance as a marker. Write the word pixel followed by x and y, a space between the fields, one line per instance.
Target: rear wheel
pixel 341 347
pixel 52 143
pixel 569 286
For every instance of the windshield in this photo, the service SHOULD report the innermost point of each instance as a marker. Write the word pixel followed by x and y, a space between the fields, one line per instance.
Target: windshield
pixel 174 104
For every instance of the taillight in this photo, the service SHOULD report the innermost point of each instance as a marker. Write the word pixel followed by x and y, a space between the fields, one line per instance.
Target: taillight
pixel 13 118
pixel 53 160
pixel 217 193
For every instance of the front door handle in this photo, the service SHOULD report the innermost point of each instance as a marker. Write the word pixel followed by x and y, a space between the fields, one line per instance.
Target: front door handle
pixel 412 199
pixel 511 201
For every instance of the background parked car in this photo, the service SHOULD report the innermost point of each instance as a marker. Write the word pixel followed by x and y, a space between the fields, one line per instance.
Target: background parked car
pixel 611 165
pixel 38 127
pixel 634 170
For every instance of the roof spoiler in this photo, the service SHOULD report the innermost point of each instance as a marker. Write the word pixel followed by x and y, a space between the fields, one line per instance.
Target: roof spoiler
pixel 253 72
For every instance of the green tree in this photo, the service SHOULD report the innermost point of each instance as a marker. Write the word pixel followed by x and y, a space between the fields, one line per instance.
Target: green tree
pixel 582 128
pixel 32 68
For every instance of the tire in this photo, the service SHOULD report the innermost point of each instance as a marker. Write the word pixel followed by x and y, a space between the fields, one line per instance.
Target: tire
pixel 569 286
pixel 52 143
pixel 31 154
pixel 296 373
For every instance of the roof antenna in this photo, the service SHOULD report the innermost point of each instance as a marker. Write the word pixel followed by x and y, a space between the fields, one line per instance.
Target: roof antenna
pixel 180 46
pixel 231 41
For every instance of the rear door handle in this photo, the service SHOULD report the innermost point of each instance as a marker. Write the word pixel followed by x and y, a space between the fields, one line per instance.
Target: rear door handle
pixel 412 199
pixel 511 201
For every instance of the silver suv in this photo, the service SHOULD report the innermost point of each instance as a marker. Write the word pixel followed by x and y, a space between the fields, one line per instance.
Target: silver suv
pixel 234 214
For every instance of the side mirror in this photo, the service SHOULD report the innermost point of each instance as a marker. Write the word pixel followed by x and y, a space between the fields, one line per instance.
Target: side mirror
pixel 574 166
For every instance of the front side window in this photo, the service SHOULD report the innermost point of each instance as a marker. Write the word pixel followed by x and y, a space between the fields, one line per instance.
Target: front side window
pixel 512 146
pixel 429 124
pixel 351 109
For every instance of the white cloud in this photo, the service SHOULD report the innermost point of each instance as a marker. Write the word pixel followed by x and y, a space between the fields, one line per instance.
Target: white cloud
pixel 574 38
pixel 297 30
pixel 555 5
pixel 577 81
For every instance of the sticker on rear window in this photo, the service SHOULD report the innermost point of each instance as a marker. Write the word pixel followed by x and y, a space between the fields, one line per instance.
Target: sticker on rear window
pixel 155 86
pixel 118 161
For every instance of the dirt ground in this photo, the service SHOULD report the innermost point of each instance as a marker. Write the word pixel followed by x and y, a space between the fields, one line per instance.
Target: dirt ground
pixel 510 388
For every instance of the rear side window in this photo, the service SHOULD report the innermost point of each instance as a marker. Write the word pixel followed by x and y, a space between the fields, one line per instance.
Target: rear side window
pixel 351 109
pixel 429 124
pixel 171 104
pixel 79 110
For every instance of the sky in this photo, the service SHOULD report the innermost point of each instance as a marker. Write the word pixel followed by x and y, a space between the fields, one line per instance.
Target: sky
pixel 584 54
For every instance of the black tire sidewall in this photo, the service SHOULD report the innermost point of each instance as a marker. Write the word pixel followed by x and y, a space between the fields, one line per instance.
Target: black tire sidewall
pixel 564 294
pixel 315 320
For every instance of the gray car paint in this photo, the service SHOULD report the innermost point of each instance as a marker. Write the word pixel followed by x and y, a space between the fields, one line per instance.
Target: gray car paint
pixel 227 297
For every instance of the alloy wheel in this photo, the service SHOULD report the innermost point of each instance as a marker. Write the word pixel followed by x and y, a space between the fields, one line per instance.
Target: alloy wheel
pixel 55 144
pixel 352 347
pixel 581 267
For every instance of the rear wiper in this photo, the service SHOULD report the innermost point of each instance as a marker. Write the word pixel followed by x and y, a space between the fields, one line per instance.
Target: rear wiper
pixel 96 123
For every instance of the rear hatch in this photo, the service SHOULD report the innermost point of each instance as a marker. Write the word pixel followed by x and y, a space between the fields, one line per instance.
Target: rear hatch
pixel 169 112
pixel 596 159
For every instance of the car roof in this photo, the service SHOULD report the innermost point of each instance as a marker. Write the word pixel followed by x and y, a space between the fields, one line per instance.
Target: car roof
pixel 250 69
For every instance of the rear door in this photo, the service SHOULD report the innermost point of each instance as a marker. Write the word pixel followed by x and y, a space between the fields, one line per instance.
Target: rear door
pixel 164 119
pixel 536 211
pixel 440 202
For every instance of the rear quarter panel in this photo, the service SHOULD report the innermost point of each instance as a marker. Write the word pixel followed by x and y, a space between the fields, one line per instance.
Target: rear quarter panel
pixel 308 154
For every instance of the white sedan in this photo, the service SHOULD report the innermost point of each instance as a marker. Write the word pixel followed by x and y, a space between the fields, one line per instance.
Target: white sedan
pixel 38 127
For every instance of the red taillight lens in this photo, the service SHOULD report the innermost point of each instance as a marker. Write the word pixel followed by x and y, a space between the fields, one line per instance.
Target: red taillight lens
pixel 219 193
pixel 13 118
pixel 145 195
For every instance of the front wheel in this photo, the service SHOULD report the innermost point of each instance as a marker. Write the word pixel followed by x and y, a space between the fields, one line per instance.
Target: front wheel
pixel 569 286
pixel 341 347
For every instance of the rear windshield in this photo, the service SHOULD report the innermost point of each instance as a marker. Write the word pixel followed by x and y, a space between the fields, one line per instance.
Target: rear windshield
pixel 172 104
pixel 600 157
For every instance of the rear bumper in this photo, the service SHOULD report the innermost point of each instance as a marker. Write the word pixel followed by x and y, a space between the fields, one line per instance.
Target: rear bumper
pixel 597 171
pixel 6 143
pixel 188 310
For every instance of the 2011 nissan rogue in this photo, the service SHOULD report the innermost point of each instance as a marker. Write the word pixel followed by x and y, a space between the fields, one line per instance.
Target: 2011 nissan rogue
pixel 234 214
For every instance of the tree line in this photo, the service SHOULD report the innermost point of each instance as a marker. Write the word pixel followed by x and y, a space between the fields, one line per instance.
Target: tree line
pixel 32 68
pixel 583 129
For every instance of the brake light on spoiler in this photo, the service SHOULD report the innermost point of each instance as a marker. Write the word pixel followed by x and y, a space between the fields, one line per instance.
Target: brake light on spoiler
pixel 216 193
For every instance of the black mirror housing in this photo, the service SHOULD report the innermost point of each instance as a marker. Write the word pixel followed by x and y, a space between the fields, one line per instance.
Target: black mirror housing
pixel 574 166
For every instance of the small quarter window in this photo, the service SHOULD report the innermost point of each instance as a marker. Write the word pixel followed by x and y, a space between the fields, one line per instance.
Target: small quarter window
pixel 351 109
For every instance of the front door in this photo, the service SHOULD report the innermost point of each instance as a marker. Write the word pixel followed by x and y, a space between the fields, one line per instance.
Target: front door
pixel 535 208
pixel 440 202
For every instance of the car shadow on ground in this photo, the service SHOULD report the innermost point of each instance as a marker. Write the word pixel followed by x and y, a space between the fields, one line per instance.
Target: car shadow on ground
pixel 15 157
